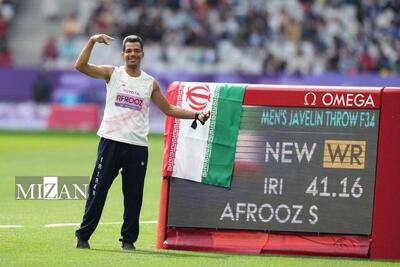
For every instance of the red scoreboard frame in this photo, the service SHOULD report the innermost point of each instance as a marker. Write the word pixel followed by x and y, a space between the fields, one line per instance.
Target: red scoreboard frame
pixel 383 243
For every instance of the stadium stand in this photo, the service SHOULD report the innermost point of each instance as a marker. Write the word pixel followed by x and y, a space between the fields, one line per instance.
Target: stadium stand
pixel 7 12
pixel 255 37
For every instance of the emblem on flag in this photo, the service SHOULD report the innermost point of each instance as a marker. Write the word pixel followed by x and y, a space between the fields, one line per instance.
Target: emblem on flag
pixel 198 97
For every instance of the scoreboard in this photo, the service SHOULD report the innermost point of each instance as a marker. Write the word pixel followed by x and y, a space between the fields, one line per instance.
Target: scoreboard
pixel 305 165
pixel 297 169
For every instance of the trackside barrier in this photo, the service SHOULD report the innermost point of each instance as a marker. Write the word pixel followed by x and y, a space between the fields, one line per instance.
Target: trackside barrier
pixel 75 117
pixel 316 172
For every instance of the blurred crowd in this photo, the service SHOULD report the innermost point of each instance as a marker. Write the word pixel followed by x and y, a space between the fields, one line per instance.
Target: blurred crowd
pixel 256 37
pixel 7 12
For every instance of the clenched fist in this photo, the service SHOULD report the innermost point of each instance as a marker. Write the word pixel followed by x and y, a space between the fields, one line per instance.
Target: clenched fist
pixel 204 116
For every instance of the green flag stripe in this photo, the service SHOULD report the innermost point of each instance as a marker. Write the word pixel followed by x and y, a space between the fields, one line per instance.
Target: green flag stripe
pixel 224 135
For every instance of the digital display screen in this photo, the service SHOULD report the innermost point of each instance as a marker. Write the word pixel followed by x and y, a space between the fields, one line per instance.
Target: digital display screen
pixel 296 169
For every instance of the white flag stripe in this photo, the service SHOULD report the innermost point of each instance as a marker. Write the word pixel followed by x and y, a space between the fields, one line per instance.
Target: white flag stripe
pixel 192 144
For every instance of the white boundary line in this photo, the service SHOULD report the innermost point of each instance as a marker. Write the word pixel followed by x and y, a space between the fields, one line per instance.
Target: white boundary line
pixel 11 226
pixel 61 224
pixel 53 225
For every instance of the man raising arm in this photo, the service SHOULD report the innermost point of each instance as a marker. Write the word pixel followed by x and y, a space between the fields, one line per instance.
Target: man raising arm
pixel 123 135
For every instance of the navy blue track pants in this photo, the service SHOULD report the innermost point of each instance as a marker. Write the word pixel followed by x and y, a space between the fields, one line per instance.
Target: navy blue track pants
pixel 113 156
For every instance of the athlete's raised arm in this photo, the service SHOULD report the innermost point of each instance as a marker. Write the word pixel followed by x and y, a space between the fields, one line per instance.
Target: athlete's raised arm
pixel 96 71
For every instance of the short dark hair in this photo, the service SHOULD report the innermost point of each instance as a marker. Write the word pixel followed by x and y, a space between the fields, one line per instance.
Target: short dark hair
pixel 132 39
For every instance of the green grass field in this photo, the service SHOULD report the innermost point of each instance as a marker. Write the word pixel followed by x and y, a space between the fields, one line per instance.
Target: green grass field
pixel 64 154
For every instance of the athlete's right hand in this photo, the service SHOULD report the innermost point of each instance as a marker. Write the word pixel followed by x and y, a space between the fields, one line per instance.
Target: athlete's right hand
pixel 101 38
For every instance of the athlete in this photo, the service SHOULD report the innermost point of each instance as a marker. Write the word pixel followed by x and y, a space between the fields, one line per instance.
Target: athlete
pixel 123 135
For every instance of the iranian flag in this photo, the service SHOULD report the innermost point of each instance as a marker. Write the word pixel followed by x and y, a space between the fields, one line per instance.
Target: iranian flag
pixel 207 154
